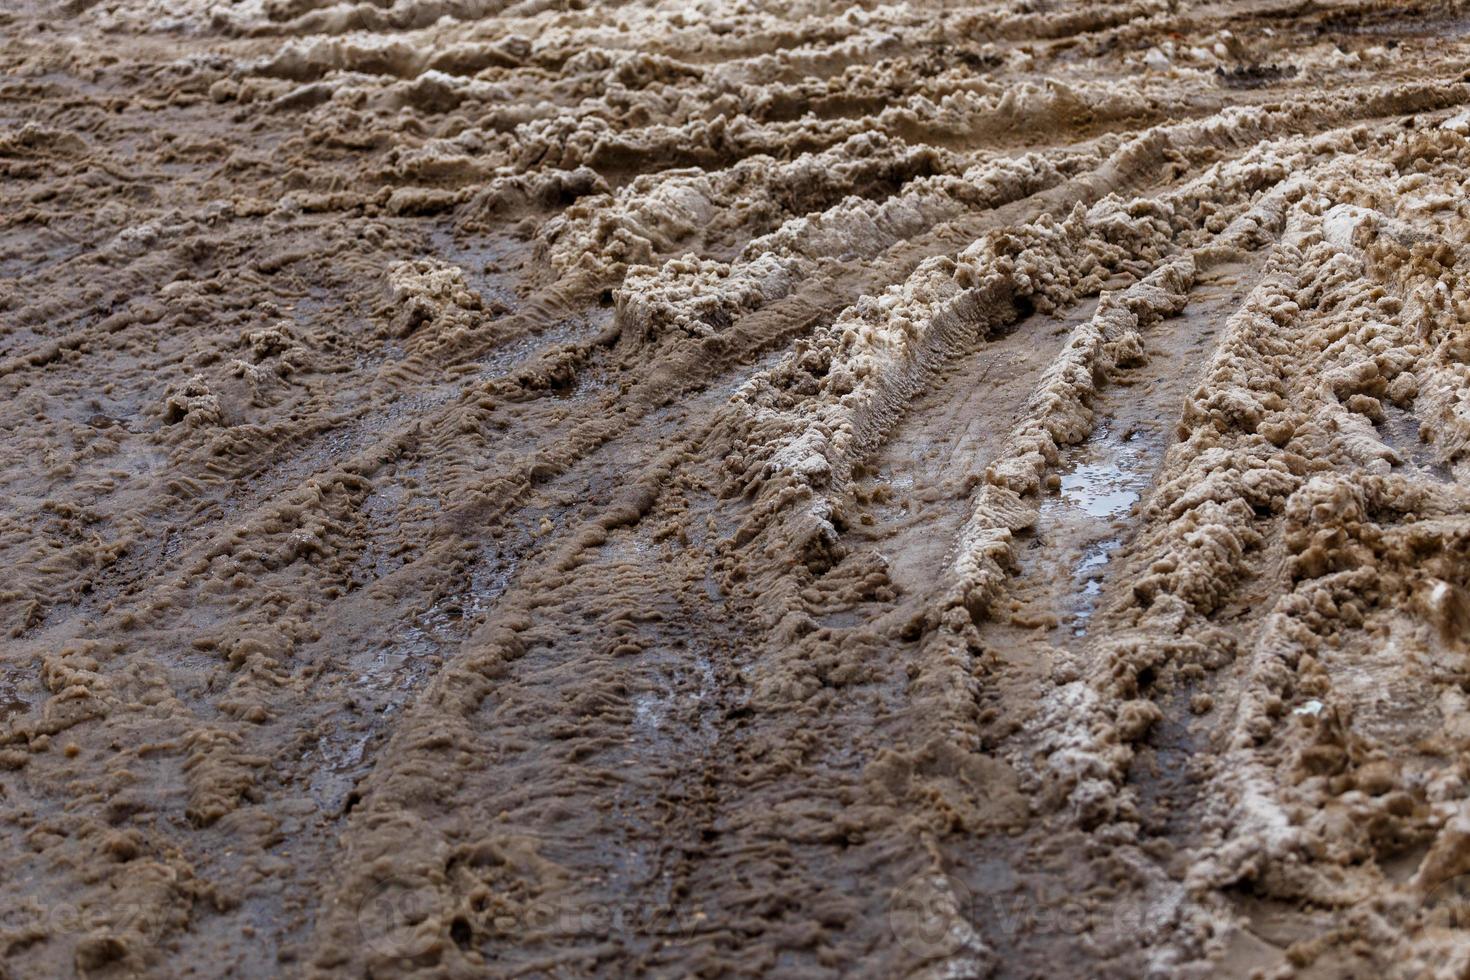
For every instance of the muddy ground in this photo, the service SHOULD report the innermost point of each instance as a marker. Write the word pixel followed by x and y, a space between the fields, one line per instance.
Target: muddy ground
pixel 714 487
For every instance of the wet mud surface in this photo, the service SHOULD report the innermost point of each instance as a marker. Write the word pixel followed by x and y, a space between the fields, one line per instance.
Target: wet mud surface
pixel 723 488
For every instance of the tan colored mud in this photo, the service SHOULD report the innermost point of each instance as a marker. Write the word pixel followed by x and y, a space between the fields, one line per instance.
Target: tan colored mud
pixel 726 488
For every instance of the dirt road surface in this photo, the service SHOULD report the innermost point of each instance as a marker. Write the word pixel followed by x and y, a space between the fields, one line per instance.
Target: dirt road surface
pixel 728 488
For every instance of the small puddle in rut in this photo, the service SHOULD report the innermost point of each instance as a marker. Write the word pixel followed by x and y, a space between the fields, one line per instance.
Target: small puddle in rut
pixel 1102 480
pixel 1399 431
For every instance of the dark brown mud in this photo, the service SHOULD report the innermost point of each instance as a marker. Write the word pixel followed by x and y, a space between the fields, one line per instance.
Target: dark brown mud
pixel 730 489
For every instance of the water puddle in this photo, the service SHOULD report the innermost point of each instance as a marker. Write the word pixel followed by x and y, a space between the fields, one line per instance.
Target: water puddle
pixel 688 676
pixel 12 702
pixel 1399 431
pixel 385 677
pixel 1101 481
pixel 1090 572
pixel 1099 489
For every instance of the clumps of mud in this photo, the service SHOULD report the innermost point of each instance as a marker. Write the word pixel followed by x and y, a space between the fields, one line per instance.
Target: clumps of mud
pixel 706 488
pixel 1254 76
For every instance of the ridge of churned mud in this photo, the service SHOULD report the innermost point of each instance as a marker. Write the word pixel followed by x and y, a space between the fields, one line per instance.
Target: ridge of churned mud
pixel 726 488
